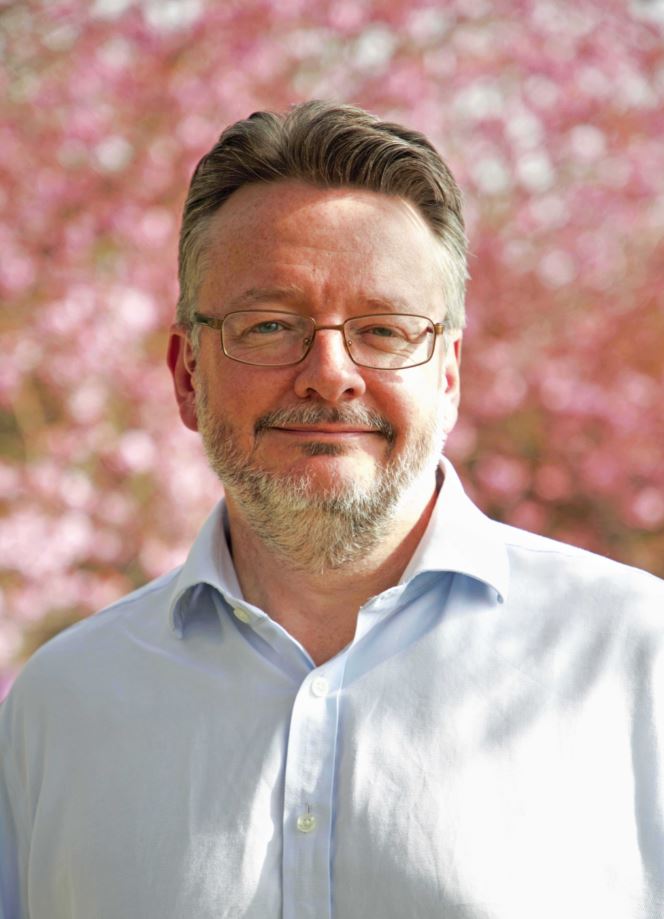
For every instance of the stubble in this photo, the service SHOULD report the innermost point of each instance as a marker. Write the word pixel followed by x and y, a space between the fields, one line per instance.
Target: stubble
pixel 317 529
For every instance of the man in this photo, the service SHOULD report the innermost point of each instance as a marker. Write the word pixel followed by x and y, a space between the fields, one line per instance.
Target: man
pixel 359 697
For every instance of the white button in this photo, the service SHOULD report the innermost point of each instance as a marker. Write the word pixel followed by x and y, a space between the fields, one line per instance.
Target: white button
pixel 320 686
pixel 306 823
pixel 241 614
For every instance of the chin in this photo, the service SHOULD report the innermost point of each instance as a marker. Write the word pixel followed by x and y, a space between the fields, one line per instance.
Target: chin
pixel 330 473
pixel 330 467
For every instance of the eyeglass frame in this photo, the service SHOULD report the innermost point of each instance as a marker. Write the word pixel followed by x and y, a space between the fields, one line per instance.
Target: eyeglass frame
pixel 217 323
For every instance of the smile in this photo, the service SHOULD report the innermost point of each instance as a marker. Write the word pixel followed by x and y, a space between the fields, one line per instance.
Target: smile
pixel 320 423
pixel 324 432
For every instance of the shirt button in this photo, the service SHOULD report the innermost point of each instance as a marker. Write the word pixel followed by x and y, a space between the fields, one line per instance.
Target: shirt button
pixel 241 614
pixel 320 686
pixel 306 823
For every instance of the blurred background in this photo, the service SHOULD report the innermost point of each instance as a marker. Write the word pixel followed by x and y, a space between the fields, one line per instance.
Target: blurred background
pixel 550 114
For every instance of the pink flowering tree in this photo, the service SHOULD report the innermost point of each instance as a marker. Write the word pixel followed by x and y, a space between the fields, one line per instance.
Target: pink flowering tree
pixel 551 117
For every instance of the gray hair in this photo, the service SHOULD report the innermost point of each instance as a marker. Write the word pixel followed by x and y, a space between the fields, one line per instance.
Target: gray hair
pixel 329 146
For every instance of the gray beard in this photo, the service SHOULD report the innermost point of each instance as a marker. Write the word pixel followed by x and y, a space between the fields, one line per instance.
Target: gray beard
pixel 316 530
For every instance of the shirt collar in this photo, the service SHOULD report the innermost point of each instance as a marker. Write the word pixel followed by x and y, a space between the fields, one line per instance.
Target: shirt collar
pixel 459 538
pixel 209 562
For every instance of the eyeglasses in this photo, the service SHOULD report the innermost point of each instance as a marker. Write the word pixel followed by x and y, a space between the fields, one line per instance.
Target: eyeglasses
pixel 271 338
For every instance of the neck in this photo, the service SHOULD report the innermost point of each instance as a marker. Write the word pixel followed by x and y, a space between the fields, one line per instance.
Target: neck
pixel 318 606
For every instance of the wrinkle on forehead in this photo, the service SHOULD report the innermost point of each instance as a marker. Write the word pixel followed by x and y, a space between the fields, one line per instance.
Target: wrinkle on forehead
pixel 272 233
pixel 279 206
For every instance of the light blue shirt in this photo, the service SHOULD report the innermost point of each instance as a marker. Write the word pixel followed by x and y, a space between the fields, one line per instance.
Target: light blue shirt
pixel 489 746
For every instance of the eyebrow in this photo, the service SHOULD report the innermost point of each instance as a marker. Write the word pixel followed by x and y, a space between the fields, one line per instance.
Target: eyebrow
pixel 293 294
pixel 389 304
pixel 262 294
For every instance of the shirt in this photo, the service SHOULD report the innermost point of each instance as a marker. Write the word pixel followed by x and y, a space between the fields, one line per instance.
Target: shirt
pixel 489 746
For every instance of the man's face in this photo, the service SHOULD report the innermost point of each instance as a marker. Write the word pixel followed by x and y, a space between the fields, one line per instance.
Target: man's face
pixel 327 424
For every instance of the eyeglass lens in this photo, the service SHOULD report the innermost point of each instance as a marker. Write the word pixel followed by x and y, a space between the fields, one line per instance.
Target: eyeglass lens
pixel 273 338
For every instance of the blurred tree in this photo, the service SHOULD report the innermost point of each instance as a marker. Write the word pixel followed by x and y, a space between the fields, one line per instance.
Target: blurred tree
pixel 550 115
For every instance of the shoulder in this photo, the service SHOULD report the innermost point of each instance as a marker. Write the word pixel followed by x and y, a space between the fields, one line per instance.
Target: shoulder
pixel 141 606
pixel 579 579
pixel 84 653
pixel 523 544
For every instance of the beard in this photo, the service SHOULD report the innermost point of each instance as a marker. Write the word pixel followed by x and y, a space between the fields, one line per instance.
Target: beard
pixel 317 529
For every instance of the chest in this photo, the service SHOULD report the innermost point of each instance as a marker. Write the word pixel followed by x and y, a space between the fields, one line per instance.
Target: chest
pixel 429 782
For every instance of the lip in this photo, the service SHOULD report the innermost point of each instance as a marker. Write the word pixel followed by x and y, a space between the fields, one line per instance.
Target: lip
pixel 324 431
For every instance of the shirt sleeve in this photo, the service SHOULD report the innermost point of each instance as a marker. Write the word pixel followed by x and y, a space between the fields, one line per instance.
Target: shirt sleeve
pixel 10 823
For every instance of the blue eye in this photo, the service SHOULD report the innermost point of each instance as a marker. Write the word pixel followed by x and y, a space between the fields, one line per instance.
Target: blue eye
pixel 268 327
pixel 381 331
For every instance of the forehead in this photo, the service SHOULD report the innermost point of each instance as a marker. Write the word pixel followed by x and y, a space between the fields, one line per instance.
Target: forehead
pixel 292 233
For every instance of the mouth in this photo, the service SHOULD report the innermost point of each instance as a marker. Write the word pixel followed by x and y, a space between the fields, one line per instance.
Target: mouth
pixel 319 423
pixel 323 432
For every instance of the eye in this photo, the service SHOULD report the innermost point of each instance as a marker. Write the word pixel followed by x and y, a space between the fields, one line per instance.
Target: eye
pixel 381 331
pixel 267 327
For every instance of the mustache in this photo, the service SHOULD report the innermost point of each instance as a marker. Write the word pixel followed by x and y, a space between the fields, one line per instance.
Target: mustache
pixel 317 414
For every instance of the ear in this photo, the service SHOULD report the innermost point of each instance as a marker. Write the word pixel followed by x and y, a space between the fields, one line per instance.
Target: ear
pixel 452 383
pixel 181 362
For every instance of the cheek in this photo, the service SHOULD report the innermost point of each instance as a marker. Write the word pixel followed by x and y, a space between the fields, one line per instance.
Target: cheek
pixel 413 402
pixel 430 414
pixel 242 396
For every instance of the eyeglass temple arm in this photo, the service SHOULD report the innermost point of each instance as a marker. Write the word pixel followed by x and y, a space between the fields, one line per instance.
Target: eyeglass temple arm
pixel 210 321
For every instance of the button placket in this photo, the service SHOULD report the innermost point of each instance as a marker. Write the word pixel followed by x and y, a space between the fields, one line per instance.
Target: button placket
pixel 309 781
pixel 306 822
pixel 319 687
pixel 240 613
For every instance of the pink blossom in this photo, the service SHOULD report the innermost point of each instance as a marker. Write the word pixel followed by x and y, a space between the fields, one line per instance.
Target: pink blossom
pixel 647 508
pixel 136 451
pixel 502 476
pixel 548 116
pixel 552 483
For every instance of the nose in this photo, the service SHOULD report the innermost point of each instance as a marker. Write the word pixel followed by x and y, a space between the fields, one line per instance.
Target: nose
pixel 327 371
